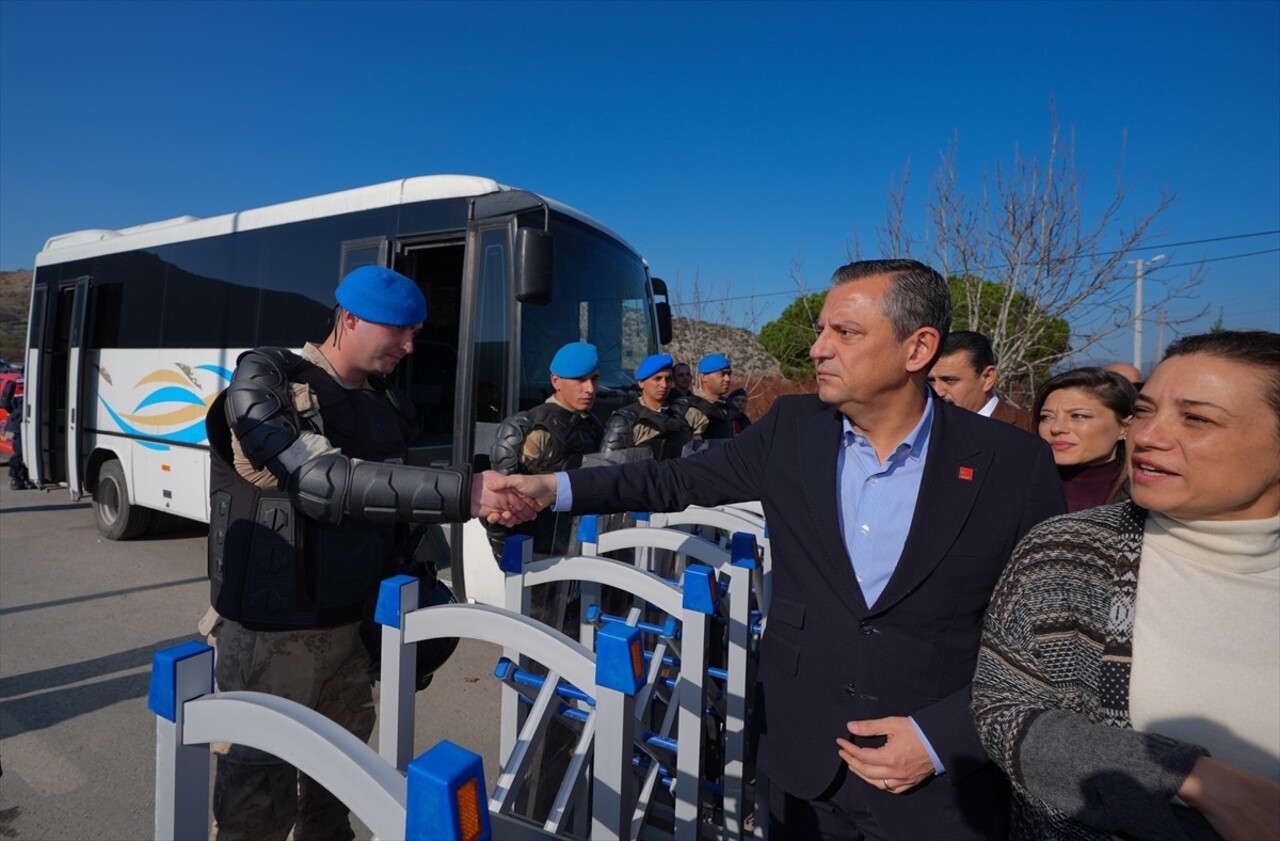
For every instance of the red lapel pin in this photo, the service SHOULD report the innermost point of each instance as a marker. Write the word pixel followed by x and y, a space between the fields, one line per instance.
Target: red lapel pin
pixel 966 473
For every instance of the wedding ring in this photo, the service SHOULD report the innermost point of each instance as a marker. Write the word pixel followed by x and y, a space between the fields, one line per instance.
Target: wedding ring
pixel 885 785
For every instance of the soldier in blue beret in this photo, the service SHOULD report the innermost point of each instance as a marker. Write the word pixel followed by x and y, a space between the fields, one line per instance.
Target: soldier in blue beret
pixel 554 435
pixel 306 439
pixel 706 411
pixel 649 422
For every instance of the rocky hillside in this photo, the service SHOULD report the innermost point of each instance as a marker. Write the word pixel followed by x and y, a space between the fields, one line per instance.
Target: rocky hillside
pixel 15 298
pixel 691 340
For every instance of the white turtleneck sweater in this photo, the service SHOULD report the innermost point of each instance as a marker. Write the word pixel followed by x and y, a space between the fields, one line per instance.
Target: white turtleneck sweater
pixel 1206 638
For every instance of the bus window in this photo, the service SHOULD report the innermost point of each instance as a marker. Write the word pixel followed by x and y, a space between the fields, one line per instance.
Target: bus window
pixel 129 299
pixel 600 297
pixel 363 252
pixel 491 340
pixel 202 306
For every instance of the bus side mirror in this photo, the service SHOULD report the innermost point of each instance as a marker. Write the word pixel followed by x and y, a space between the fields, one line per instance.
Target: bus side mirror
pixel 662 308
pixel 535 268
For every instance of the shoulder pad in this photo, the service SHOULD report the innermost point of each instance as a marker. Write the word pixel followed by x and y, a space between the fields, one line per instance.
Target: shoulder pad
pixel 259 406
pixel 618 432
pixel 504 455
pixel 279 358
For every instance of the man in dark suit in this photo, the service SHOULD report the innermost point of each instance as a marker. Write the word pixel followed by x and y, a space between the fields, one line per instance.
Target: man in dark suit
pixel 891 515
pixel 965 375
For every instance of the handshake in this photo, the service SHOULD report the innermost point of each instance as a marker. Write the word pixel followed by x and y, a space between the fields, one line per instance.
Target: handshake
pixel 511 500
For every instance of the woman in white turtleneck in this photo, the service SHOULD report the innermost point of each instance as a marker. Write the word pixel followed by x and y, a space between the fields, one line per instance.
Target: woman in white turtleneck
pixel 1147 703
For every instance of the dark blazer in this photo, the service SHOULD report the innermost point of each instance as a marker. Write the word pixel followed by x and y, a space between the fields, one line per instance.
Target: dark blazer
pixel 826 657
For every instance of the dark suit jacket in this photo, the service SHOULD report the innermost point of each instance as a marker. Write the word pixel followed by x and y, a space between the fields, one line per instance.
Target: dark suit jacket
pixel 826 657
pixel 1009 413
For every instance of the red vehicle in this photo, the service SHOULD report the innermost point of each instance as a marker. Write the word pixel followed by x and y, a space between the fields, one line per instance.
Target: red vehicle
pixel 10 387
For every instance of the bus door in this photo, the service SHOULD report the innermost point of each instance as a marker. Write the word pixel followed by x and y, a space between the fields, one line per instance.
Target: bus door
pixel 488 370
pixel 58 317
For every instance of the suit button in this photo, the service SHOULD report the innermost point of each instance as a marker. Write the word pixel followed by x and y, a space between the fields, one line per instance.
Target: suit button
pixel 866 627
pixel 851 688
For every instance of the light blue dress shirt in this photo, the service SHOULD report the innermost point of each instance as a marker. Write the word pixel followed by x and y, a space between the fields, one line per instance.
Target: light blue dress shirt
pixel 876 503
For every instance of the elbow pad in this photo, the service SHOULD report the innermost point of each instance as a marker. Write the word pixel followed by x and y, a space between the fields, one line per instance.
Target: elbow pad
pixel 332 486
pixel 259 406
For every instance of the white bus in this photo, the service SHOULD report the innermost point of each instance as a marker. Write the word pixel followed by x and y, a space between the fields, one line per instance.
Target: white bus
pixel 133 333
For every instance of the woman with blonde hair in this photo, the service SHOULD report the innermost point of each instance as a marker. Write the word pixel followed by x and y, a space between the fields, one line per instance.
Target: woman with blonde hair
pixel 1129 677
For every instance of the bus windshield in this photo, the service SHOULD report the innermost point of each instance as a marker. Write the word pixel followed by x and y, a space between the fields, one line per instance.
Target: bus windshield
pixel 600 297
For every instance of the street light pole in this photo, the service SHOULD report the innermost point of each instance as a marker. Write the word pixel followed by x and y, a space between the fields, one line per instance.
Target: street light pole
pixel 1137 311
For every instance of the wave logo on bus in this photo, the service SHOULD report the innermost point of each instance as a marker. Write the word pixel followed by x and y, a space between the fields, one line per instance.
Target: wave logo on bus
pixel 172 412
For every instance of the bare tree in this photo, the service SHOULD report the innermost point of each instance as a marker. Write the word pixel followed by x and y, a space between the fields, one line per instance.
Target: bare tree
pixel 702 325
pixel 1025 259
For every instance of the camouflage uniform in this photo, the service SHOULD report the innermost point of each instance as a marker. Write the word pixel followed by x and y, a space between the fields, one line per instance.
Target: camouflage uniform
pixel 258 797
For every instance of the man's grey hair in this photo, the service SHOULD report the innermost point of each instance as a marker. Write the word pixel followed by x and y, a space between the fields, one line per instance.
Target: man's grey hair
pixel 918 296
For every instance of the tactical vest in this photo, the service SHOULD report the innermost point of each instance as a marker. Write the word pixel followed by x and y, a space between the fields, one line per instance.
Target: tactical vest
pixel 270 567
pixel 719 415
pixel 573 435
pixel 672 431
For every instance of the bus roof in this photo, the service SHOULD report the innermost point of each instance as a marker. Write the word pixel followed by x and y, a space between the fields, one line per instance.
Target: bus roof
pixel 87 243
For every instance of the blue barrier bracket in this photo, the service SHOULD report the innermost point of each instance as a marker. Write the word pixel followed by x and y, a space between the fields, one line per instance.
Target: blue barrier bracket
pixel 446 796
pixel 589 528
pixel 513 553
pixel 700 591
pixel 387 611
pixel 742 550
pixel 161 699
pixel 619 659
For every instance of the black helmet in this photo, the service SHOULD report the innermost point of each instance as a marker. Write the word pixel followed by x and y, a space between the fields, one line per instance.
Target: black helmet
pixel 432 654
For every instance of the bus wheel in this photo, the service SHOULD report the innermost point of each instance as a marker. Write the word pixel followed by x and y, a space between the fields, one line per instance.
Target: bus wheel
pixel 115 517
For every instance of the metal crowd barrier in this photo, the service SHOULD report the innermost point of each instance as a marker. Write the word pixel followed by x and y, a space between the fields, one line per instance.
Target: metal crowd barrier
pixel 653 717
pixel 739 566
pixel 668 706
pixel 395 800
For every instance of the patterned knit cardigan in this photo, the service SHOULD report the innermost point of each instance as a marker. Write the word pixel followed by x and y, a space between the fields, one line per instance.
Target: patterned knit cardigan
pixel 1051 693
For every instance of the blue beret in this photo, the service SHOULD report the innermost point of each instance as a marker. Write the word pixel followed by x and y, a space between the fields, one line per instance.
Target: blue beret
pixel 576 359
pixel 713 362
pixel 383 296
pixel 652 365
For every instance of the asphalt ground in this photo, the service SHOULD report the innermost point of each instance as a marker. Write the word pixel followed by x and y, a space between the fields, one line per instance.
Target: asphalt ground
pixel 80 618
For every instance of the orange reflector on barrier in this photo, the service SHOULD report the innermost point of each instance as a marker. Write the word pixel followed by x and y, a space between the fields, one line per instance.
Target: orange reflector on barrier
pixel 469 810
pixel 637 660
pixel 164 468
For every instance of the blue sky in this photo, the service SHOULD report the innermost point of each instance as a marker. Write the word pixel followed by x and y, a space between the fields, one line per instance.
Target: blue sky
pixel 726 141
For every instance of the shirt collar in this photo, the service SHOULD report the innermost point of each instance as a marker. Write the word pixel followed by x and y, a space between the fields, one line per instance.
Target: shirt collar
pixel 990 405
pixel 916 439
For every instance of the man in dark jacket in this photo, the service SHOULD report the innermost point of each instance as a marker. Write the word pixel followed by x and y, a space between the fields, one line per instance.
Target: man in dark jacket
pixel 891 515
